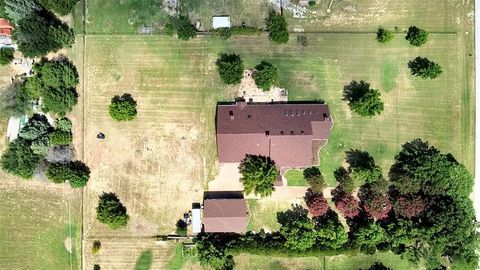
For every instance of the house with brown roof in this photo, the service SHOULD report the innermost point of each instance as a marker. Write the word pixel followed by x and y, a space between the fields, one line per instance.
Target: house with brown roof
pixel 6 27
pixel 225 215
pixel 291 134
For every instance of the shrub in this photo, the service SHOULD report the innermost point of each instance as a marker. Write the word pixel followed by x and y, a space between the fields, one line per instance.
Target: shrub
pixel 348 206
pixel 224 32
pixel 181 227
pixel 315 179
pixel 384 35
pixel 258 175
pixel 19 159
pixel 265 75
pixel 111 211
pixel 169 29
pixel 63 124
pixel 185 29
pixel 6 55
pixel 96 267
pixel 62 7
pixel 230 68
pixel 96 246
pixel 424 68
pixel 363 100
pixel 123 108
pixel 416 36
pixel 312 3
pixel 77 173
pixel 60 137
pixel 277 28
pixel 302 40
pixel 317 205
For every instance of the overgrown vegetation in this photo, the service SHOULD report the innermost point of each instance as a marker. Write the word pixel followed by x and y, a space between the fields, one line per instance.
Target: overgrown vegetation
pixel 184 28
pixel 265 75
pixel 110 211
pixel 424 68
pixel 227 32
pixel 363 100
pixel 6 55
pixel 230 68
pixel 62 7
pixel 277 28
pixel 123 108
pixel 437 231
pixel 259 173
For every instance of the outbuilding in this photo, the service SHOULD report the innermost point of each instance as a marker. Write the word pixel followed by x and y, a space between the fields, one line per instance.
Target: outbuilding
pixel 221 22
pixel 6 27
pixel 225 215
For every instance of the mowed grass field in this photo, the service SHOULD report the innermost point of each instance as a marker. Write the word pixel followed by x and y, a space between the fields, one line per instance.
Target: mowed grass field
pixel 38 221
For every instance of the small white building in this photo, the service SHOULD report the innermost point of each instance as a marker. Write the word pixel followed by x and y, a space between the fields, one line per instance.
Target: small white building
pixel 221 22
pixel 196 220
pixel 15 124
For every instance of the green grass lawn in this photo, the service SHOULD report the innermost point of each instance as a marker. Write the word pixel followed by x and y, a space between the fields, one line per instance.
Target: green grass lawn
pixel 295 178
pixel 34 228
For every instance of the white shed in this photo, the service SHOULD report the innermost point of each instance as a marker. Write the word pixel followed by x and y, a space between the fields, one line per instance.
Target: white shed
pixel 221 22
pixel 196 220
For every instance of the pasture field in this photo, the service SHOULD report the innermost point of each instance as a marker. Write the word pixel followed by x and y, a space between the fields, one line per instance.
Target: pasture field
pixel 38 223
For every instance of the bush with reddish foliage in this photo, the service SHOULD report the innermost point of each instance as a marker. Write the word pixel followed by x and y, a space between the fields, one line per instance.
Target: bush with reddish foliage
pixel 409 207
pixel 317 205
pixel 377 206
pixel 348 206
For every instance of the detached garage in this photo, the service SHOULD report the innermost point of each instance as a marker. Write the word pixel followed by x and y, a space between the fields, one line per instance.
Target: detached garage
pixel 221 22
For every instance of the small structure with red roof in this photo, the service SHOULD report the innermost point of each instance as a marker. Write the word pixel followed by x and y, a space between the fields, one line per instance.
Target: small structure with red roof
pixel 6 27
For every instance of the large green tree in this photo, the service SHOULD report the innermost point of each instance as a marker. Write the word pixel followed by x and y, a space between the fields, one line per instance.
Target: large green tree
pixel 297 228
pixel 75 172
pixel 424 68
pixel 19 159
pixel 185 29
pixel 368 236
pixel 16 10
pixel 277 28
pixel 40 33
pixel 384 35
pixel 15 101
pixel 363 100
pixel 111 211
pixel 123 108
pixel 230 68
pixel 416 36
pixel 259 173
pixel 330 231
pixel 265 75
pixel 314 179
pixel 362 166
pixel 55 81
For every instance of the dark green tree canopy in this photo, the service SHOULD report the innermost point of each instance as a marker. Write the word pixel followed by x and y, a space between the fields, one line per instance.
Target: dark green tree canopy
pixel 111 211
pixel 368 236
pixel 363 100
pixel 297 228
pixel 123 108
pixel 424 68
pixel 211 252
pixel 277 28
pixel 76 173
pixel 384 35
pixel 265 76
pixel 230 68
pixel 19 159
pixel 40 32
pixel 62 7
pixel 6 55
pixel 416 36
pixel 259 173
pixel 362 166
pixel 55 81
pixel 19 9
pixel 330 231
pixel 15 101
pixel 185 29
pixel 314 179
pixel 37 126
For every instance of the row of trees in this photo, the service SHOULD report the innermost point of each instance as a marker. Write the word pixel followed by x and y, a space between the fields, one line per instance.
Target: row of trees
pixel 422 212
pixel 230 68
pixel 415 36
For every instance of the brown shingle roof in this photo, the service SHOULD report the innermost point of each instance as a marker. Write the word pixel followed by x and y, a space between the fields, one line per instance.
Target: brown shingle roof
pixel 284 132
pixel 225 215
